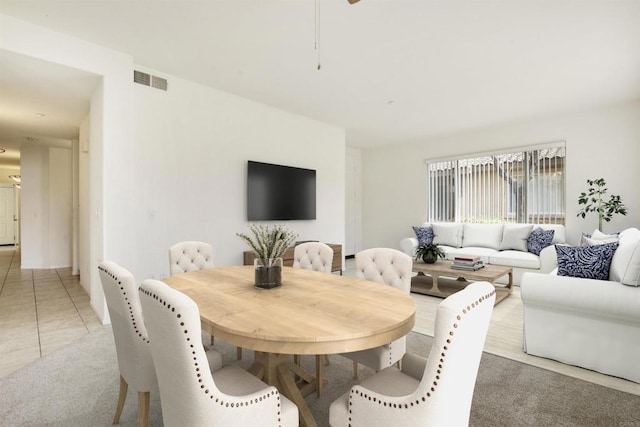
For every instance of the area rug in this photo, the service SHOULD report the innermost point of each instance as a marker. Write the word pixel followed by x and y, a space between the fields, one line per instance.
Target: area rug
pixel 78 386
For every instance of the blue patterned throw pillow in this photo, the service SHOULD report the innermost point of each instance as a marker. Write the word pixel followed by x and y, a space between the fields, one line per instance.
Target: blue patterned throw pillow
pixel 424 235
pixel 538 240
pixel 587 262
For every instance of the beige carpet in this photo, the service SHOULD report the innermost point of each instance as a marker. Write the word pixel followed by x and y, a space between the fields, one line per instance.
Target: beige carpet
pixel 78 386
pixel 505 339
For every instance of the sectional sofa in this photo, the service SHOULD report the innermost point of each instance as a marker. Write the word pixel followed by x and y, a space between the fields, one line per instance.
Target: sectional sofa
pixel 594 324
pixel 511 245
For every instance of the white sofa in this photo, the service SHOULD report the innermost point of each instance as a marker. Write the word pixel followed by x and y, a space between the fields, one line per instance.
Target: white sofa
pixel 493 244
pixel 594 324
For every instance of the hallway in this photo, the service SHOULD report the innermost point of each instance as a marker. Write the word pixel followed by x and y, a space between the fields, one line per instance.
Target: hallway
pixel 40 311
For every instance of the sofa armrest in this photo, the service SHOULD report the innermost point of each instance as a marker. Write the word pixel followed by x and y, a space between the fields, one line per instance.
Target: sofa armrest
pixel 548 259
pixel 408 245
pixel 595 298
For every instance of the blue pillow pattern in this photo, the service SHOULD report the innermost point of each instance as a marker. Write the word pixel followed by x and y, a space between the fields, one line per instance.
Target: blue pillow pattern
pixel 587 262
pixel 424 235
pixel 538 240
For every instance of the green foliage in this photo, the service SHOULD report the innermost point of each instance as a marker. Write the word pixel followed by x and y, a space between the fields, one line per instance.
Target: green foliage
pixel 593 201
pixel 268 242
pixel 431 249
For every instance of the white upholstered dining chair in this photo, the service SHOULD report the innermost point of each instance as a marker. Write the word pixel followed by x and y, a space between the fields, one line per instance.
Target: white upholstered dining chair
pixel 191 394
pixel 130 336
pixel 190 256
pixel 316 256
pixel 391 267
pixel 435 391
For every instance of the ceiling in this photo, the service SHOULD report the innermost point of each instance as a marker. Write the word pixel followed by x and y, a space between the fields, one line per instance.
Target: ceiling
pixel 392 71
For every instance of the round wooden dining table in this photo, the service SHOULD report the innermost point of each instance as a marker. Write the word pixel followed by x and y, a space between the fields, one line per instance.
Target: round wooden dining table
pixel 311 313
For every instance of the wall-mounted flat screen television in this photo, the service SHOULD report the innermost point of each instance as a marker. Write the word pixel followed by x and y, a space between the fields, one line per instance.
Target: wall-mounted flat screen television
pixel 276 192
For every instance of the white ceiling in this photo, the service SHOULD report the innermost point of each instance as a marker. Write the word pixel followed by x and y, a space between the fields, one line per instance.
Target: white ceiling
pixel 392 71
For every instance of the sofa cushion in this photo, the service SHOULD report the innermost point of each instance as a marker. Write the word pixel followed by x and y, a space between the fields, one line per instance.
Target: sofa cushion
pixel 514 236
pixel 518 259
pixel 539 239
pixel 424 234
pixel 587 262
pixel 482 235
pixel 625 266
pixel 449 234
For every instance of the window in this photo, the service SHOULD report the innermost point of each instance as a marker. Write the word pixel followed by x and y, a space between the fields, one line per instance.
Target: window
pixel 521 186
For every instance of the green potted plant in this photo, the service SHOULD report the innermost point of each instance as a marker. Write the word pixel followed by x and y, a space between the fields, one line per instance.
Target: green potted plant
pixel 593 201
pixel 269 244
pixel 429 253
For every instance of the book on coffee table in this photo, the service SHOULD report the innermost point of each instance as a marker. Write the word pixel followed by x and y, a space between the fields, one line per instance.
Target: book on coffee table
pixel 470 263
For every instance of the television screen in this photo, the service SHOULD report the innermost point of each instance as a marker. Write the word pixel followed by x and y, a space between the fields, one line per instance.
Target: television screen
pixel 276 192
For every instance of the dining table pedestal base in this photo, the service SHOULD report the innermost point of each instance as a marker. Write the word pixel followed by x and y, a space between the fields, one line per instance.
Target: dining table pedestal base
pixel 291 379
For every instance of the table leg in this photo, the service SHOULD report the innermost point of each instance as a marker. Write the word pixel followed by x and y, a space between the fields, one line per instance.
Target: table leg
pixel 276 370
pixel 434 279
pixel 290 389
pixel 510 284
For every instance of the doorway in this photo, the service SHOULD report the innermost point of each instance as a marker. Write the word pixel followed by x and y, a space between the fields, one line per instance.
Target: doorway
pixel 8 215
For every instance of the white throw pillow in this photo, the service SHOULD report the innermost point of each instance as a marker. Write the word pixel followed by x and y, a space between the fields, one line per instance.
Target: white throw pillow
pixel 515 237
pixel 625 265
pixel 447 234
pixel 482 235
pixel 598 238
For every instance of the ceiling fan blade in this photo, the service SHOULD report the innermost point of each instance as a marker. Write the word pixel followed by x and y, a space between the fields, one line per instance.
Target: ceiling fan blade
pixel 353 1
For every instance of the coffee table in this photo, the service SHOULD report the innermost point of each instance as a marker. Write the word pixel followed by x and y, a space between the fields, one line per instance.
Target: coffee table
pixel 440 280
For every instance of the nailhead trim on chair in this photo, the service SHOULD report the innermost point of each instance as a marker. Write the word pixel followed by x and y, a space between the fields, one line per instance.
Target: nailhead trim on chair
pixel 218 399
pixel 439 371
pixel 124 294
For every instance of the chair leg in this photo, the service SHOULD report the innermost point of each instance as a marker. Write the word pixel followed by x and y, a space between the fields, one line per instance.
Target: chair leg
pixel 143 408
pixel 239 353
pixel 355 370
pixel 211 339
pixel 121 398
pixel 400 364
pixel 319 374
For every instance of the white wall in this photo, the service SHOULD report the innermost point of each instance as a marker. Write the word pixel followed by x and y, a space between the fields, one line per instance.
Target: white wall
pixel 353 201
pixel 60 208
pixel 83 206
pixel 34 224
pixel 600 143
pixel 46 207
pixel 191 148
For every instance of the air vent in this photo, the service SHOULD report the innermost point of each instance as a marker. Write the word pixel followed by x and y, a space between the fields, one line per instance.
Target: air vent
pixel 149 80
pixel 159 82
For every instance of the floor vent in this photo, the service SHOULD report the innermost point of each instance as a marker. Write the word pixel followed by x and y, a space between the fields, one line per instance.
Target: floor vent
pixel 149 80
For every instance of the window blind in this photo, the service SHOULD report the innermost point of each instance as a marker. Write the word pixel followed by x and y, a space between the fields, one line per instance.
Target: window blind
pixel 519 186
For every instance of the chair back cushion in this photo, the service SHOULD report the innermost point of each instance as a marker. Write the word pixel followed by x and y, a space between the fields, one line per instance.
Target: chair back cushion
pixel 315 256
pixel 129 332
pixel 385 265
pixel 190 256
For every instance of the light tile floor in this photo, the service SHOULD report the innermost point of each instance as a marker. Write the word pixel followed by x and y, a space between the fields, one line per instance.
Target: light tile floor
pixel 40 311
